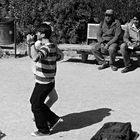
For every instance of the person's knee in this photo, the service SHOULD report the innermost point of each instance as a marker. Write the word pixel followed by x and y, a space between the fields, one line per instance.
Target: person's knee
pixel 35 108
pixel 112 48
pixel 53 96
pixel 123 48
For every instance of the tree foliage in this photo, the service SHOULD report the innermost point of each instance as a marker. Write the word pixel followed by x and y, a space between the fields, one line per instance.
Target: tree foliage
pixel 69 17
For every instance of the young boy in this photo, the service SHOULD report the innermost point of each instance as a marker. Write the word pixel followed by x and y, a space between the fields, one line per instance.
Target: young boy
pixel 53 96
pixel 45 70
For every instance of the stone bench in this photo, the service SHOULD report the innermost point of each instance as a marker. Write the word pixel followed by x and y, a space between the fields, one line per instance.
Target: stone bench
pixel 85 49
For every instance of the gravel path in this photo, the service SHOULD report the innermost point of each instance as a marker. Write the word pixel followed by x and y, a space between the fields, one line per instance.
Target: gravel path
pixel 87 99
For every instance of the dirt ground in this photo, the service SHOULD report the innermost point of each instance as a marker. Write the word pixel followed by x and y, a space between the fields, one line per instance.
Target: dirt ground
pixel 88 98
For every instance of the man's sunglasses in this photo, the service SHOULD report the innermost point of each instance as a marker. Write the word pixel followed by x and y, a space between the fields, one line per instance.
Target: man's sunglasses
pixel 108 15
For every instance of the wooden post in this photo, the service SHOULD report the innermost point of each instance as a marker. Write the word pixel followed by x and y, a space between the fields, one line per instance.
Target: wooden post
pixel 15 38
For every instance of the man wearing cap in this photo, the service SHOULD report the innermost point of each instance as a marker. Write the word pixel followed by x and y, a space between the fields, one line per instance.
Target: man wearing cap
pixel 108 39
pixel 131 41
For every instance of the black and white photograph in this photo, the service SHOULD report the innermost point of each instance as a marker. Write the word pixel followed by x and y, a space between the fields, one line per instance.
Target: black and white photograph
pixel 69 69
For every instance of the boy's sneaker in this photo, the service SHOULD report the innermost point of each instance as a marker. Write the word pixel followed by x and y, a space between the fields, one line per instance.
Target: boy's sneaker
pixel 53 125
pixel 38 133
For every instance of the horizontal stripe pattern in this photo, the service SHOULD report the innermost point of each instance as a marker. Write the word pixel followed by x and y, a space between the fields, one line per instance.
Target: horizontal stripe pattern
pixel 45 72
pixel 43 80
pixel 47 62
pixel 44 51
pixel 46 66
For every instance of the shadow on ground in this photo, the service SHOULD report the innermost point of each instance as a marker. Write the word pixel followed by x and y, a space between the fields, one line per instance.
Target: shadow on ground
pixel 74 60
pixel 120 64
pixel 2 135
pixel 82 119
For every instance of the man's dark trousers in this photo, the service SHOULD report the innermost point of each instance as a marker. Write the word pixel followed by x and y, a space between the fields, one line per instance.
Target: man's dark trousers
pixel 98 52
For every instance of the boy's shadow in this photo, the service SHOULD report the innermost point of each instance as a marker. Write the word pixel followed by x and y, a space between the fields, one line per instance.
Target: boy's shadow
pixel 81 119
pixel 2 135
pixel 74 60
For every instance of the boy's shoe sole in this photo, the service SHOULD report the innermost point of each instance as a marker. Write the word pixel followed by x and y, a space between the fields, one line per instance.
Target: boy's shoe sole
pixel 38 134
pixel 55 124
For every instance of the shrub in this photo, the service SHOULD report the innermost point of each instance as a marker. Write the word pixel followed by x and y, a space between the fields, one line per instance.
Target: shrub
pixel 69 17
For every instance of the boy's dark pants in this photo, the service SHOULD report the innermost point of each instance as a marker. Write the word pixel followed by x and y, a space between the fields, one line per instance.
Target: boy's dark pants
pixel 42 112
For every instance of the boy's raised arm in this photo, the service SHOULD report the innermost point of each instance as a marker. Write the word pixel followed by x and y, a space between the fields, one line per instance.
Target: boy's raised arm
pixel 31 49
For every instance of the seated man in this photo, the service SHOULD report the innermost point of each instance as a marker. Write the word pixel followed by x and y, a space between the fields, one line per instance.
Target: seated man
pixel 131 41
pixel 108 37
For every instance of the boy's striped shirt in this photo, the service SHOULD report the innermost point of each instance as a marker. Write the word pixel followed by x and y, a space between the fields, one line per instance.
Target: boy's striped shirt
pixel 46 66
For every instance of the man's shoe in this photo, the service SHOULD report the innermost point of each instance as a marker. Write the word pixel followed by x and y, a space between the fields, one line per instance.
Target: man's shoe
pixel 114 68
pixel 126 69
pixel 104 65
pixel 54 124
pixel 38 133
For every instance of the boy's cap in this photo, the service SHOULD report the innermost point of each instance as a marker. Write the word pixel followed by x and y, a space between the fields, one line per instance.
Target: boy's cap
pixel 109 12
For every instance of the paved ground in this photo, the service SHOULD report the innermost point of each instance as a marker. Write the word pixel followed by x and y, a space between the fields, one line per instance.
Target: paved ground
pixel 87 99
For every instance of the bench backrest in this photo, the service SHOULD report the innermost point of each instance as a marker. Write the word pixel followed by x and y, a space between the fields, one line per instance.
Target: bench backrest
pixel 93 28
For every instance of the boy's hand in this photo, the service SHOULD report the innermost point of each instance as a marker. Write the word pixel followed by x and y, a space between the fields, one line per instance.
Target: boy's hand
pixel 29 39
pixel 38 45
